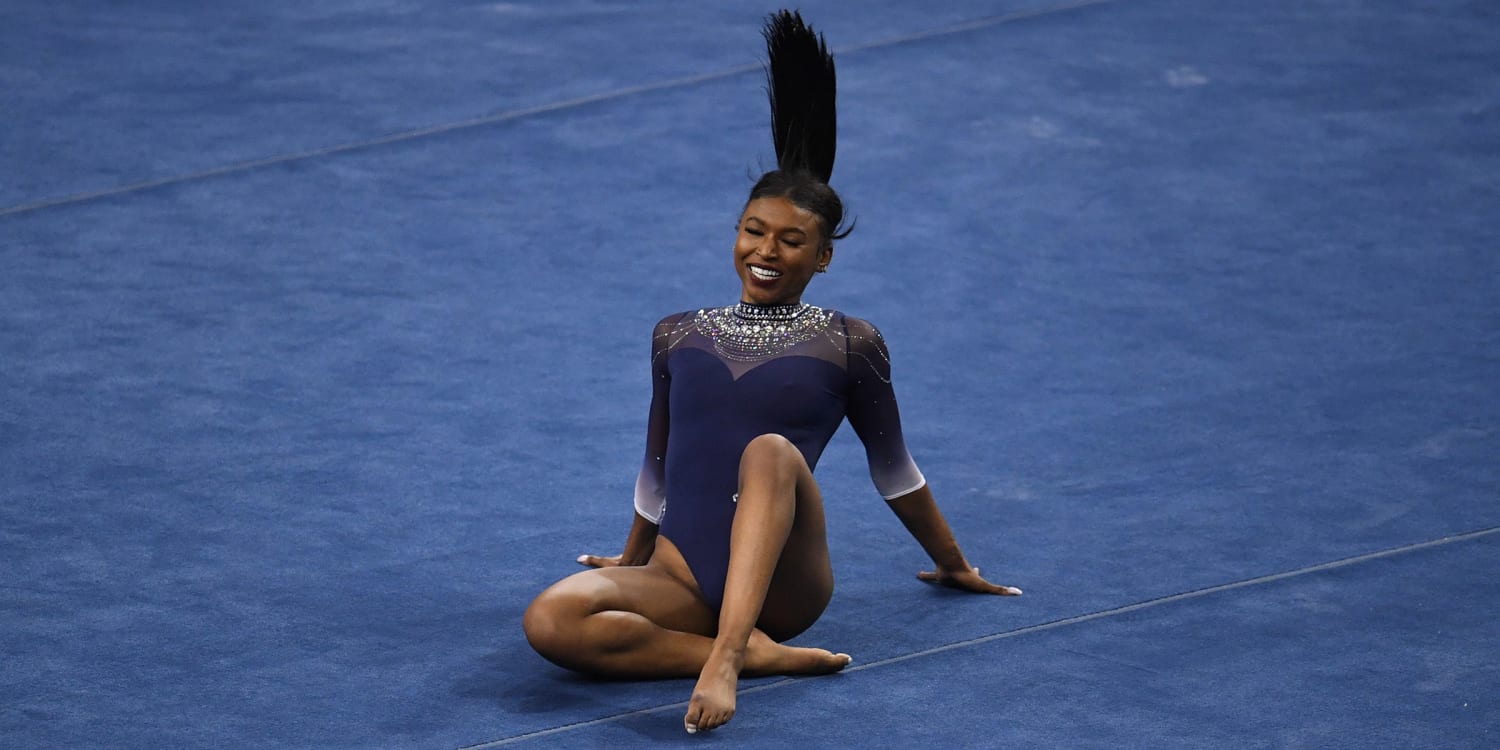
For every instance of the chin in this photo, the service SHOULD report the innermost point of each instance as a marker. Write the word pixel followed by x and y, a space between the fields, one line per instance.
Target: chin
pixel 767 299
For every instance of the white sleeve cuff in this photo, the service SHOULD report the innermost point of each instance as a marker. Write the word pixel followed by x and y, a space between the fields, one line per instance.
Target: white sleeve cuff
pixel 921 482
pixel 650 508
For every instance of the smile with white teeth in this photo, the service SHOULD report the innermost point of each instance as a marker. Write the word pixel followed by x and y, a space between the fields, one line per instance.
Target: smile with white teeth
pixel 765 274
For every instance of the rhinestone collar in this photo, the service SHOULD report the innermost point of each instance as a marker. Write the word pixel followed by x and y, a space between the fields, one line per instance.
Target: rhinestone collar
pixel 777 313
pixel 749 333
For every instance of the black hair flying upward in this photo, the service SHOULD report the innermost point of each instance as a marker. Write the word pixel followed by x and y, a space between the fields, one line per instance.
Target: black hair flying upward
pixel 802 85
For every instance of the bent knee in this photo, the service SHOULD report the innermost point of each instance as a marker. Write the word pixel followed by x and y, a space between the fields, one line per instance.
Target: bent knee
pixel 540 623
pixel 772 448
pixel 551 622
pixel 772 458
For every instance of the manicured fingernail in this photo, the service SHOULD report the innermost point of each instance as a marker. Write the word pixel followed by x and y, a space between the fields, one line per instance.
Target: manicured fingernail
pixel 583 559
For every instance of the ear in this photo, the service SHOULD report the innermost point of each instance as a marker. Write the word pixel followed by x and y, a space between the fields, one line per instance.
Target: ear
pixel 825 256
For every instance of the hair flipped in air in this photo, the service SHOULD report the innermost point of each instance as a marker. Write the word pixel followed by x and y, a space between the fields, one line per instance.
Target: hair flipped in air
pixel 802 85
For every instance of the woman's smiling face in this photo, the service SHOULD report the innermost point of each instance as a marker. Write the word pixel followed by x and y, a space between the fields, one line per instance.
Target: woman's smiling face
pixel 777 251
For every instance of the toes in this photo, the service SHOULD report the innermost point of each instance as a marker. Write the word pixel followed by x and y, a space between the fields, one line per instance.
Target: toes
pixel 701 719
pixel 714 721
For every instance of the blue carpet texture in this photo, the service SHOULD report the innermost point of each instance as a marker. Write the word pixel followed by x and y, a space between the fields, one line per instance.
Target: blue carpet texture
pixel 324 333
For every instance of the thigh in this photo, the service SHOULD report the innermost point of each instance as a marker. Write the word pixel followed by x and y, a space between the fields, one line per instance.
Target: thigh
pixel 654 591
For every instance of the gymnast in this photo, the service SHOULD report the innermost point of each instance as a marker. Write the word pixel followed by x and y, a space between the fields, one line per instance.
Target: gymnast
pixel 727 557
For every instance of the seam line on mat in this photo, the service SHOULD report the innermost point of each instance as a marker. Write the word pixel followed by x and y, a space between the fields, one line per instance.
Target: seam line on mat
pixel 516 114
pixel 1125 609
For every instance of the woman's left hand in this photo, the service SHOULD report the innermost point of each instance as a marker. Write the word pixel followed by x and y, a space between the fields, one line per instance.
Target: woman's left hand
pixel 967 579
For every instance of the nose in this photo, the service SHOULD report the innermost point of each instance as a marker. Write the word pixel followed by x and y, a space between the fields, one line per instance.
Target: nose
pixel 766 247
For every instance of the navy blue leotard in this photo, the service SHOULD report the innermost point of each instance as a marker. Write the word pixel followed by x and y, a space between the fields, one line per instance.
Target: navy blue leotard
pixel 722 377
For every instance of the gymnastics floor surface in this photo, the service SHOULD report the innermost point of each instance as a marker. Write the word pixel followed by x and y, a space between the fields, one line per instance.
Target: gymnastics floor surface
pixel 324 338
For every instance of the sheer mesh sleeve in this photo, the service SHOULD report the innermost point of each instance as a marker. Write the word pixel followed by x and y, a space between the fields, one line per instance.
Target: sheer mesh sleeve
pixel 873 412
pixel 651 483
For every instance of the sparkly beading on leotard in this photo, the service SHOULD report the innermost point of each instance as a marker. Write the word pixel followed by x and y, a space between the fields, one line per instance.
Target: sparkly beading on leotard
pixel 747 333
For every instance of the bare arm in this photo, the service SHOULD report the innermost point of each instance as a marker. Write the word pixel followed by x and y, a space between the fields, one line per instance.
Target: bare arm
pixel 919 513
pixel 641 542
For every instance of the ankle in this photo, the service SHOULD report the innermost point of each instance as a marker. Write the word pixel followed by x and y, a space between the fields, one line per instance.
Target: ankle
pixel 728 651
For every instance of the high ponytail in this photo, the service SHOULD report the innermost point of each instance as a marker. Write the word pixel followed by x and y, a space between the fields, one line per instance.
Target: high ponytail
pixel 802 86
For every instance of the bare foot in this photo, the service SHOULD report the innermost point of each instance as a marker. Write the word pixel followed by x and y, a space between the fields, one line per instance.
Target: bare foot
pixel 713 701
pixel 712 704
pixel 764 656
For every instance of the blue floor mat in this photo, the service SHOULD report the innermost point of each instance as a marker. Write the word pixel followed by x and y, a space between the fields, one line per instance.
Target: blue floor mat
pixel 323 348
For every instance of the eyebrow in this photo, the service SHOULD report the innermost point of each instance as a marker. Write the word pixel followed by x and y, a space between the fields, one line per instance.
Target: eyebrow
pixel 758 220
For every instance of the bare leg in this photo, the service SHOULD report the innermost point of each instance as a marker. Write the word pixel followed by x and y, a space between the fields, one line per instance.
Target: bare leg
pixel 621 622
pixel 644 622
pixel 779 573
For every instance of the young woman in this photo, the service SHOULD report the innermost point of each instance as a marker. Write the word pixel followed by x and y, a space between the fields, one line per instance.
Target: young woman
pixel 728 556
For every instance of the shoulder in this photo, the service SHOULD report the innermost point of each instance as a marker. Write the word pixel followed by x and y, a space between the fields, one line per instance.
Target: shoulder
pixel 865 347
pixel 669 331
pixel 675 320
pixel 861 332
pixel 677 317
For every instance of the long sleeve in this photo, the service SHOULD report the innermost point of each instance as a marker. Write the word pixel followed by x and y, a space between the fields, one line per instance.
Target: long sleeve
pixel 651 483
pixel 873 412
